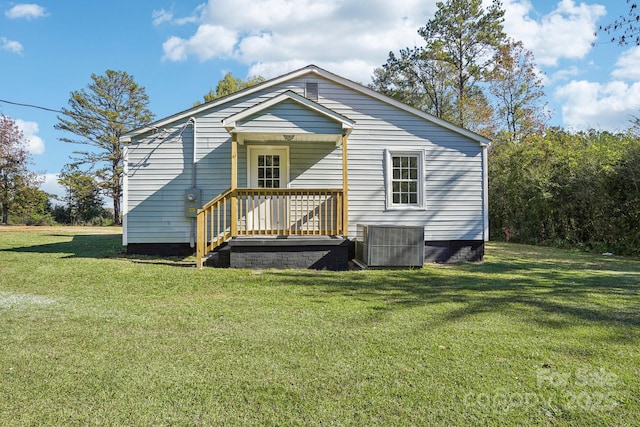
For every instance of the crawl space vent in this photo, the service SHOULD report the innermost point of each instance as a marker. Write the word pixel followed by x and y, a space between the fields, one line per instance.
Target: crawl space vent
pixel 311 90
pixel 390 245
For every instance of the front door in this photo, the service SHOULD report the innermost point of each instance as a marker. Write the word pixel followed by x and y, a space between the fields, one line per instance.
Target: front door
pixel 268 168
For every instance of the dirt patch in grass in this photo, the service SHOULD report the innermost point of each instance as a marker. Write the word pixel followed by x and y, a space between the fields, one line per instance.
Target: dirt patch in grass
pixel 15 300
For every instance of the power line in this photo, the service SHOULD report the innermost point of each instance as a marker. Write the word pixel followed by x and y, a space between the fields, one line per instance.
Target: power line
pixel 74 115
pixel 20 104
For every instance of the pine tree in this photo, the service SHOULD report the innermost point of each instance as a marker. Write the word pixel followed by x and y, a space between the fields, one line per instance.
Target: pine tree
pixel 112 105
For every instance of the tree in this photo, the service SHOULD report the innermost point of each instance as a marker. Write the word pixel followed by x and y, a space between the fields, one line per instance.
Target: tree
pixel 417 78
pixel 628 25
pixel 32 207
pixel 518 90
pixel 15 177
pixel 113 104
pixel 444 77
pixel 465 35
pixel 228 85
pixel 84 201
pixel 561 188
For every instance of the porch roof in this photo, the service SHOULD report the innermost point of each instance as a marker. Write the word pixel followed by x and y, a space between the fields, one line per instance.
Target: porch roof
pixel 288 117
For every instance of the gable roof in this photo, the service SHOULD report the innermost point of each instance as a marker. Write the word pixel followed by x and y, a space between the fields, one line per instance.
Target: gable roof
pixel 310 69
pixel 236 123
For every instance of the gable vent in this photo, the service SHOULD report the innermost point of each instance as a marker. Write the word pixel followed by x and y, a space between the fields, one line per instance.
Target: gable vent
pixel 311 91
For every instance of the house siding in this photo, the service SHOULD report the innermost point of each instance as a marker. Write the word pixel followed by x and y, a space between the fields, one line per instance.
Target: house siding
pixel 159 170
pixel 290 116
pixel 453 167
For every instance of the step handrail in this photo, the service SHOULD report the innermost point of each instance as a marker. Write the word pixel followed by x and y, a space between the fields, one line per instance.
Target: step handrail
pixel 212 226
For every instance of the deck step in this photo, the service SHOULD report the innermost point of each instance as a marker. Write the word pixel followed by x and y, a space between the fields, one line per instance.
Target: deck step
pixel 283 252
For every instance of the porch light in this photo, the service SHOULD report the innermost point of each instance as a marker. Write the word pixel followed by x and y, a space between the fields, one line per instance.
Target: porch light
pixel 288 138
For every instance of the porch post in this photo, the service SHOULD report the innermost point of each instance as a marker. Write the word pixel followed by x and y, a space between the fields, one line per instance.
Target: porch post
pixel 345 187
pixel 234 184
pixel 202 237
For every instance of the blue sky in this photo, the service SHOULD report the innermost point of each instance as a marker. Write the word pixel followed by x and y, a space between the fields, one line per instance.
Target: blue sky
pixel 178 50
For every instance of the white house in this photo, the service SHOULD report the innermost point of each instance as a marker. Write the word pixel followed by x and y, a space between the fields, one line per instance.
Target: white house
pixel 289 172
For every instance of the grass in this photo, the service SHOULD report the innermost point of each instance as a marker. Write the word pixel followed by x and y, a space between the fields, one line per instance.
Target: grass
pixel 531 336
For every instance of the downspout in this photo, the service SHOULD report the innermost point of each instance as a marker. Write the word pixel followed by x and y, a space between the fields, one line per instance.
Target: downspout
pixel 125 196
pixel 192 241
pixel 485 192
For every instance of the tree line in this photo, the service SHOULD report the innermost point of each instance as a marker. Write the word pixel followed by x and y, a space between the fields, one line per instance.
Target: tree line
pixel 21 200
pixel 567 189
pixel 546 185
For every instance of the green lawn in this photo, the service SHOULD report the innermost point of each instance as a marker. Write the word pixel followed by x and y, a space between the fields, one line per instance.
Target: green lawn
pixel 531 336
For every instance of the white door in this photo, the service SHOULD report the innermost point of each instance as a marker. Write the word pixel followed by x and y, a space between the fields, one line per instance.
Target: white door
pixel 268 168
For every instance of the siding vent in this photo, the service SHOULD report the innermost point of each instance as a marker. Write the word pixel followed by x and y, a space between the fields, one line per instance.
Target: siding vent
pixel 311 91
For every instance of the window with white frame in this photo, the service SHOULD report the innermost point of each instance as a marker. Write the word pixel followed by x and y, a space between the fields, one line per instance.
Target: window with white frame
pixel 405 179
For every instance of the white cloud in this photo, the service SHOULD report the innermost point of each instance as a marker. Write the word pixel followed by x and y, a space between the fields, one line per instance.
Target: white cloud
pixel 26 11
pixel 185 20
pixel 561 75
pixel 565 32
pixel 276 36
pixel 608 106
pixel 207 42
pixel 11 45
pixel 161 16
pixel 358 70
pixel 628 65
pixel 175 49
pixel 276 15
pixel 35 144
pixel 352 38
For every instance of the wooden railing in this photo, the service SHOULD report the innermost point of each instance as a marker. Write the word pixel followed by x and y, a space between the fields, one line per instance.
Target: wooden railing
pixel 213 225
pixel 275 211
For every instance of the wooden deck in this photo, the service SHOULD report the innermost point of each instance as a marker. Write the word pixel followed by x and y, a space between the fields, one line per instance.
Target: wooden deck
pixel 270 212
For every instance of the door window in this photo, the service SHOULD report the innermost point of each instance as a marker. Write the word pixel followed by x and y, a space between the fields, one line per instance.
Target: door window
pixel 268 171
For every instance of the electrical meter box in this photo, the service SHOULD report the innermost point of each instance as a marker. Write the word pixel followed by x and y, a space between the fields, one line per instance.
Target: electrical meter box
pixel 192 202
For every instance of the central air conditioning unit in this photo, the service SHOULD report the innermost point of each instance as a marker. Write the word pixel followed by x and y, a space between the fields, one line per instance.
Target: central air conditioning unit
pixel 390 245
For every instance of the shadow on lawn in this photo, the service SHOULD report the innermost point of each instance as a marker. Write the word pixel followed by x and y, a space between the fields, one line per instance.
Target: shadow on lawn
pixel 80 246
pixel 560 287
pixel 557 294
pixel 97 246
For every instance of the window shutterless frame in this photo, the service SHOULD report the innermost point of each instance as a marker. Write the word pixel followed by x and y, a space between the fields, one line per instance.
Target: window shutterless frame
pixel 405 179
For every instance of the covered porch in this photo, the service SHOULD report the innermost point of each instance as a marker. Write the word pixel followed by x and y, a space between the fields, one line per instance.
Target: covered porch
pixel 271 205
